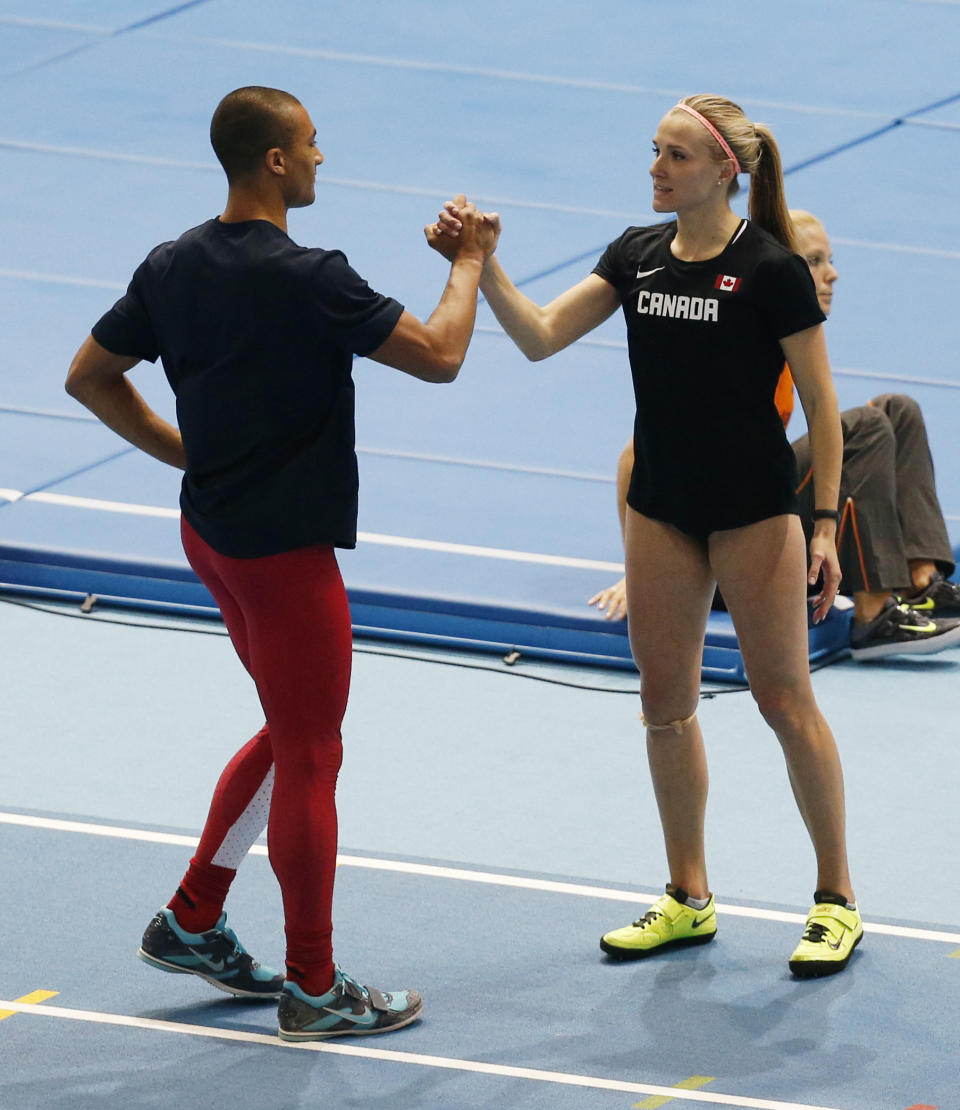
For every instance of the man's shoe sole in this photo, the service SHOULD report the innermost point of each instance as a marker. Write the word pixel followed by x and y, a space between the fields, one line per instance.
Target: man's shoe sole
pixel 617 953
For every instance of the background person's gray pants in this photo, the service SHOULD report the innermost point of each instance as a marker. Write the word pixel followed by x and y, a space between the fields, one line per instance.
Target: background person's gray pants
pixel 888 499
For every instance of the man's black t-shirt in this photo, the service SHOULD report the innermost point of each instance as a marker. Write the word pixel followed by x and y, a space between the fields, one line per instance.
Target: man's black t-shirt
pixel 710 449
pixel 257 337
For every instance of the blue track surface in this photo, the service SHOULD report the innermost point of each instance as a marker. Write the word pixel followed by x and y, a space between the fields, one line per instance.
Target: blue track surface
pixel 513 458
pixel 488 518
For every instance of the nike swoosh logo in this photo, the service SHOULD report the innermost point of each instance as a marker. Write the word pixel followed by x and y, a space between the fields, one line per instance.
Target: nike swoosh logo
pixel 697 924
pixel 214 965
pixel 647 273
pixel 929 626
pixel 368 1017
pixel 922 605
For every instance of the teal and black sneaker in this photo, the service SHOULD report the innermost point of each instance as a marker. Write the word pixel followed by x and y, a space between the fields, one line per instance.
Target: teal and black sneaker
pixel 347 1008
pixel 215 955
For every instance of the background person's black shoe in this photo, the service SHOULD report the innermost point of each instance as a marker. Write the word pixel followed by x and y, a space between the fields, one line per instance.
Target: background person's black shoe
pixel 900 630
pixel 940 599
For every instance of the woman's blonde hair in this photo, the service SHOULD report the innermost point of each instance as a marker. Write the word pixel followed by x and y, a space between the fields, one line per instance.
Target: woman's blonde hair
pixel 758 155
pixel 803 220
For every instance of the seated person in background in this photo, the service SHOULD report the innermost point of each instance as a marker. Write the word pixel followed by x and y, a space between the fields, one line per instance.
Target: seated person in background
pixel 891 539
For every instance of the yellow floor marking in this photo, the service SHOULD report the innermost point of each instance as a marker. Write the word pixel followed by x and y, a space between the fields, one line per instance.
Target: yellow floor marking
pixel 33 997
pixel 695 1082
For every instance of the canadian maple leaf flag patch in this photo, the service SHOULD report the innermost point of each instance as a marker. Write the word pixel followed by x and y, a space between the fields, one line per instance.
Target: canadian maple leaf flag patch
pixel 727 283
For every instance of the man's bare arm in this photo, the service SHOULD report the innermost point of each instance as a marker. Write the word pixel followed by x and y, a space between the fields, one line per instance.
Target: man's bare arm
pixel 97 379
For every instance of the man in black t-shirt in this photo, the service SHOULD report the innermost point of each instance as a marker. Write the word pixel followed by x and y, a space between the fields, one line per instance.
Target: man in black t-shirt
pixel 257 337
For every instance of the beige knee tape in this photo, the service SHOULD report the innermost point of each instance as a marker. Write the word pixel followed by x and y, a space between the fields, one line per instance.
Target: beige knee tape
pixel 673 726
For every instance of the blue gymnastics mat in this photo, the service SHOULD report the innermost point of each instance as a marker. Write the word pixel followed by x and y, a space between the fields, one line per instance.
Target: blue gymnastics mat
pixel 487 507
pixel 548 632
pixel 455 595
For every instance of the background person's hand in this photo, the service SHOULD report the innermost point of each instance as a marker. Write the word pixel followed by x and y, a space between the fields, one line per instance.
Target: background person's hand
pixel 613 600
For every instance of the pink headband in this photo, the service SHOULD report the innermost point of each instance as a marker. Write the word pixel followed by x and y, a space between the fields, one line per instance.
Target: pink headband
pixel 724 145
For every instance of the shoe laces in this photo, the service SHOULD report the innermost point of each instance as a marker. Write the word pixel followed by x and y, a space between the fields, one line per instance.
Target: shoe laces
pixel 238 949
pixel 816 933
pixel 648 918
pixel 352 987
pixel 904 615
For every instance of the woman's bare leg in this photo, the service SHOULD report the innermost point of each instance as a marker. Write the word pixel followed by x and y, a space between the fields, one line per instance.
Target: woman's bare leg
pixel 669 589
pixel 771 624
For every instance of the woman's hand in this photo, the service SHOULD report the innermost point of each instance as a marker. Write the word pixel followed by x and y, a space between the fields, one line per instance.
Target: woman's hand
pixel 825 567
pixel 482 229
pixel 613 599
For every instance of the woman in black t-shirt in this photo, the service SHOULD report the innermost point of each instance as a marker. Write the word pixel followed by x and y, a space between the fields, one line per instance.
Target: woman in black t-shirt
pixel 713 304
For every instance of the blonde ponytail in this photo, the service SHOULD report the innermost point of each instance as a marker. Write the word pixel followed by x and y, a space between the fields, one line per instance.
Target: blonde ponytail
pixel 768 200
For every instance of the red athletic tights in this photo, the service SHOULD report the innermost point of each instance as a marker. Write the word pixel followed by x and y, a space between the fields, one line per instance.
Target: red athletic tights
pixel 289 621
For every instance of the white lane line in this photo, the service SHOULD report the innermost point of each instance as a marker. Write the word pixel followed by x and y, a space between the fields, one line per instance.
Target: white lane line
pixel 401 190
pixel 442 67
pixel 377 538
pixel 386 61
pixel 60 279
pixel 105 155
pixel 837 371
pixel 434 194
pixel 54 414
pixel 53 24
pixel 491 553
pixel 375 452
pixel 475 1067
pixel 903 379
pixel 128 508
pixel 519 882
pixel 935 124
pixel 484 464
pixel 902 248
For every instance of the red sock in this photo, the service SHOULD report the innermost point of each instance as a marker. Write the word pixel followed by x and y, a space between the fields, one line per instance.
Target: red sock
pixel 310 960
pixel 198 903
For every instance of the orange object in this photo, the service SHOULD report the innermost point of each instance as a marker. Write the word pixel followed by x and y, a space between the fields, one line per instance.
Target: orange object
pixel 783 397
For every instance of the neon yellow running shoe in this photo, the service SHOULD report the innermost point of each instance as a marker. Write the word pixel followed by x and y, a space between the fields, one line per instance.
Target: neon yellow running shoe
pixel 833 931
pixel 667 924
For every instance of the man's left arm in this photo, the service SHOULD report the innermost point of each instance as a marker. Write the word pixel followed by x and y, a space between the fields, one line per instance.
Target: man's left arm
pixel 97 379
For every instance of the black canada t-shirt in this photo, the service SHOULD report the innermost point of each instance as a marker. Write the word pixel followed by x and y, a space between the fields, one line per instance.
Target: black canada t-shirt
pixel 257 336
pixel 710 449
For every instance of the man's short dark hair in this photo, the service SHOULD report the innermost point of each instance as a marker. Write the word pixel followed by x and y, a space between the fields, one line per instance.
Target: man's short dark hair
pixel 247 123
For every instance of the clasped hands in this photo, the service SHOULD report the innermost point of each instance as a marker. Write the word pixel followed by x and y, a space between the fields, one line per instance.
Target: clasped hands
pixel 461 228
